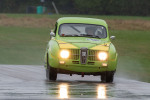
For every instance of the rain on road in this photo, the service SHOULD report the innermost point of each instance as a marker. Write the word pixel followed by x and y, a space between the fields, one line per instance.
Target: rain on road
pixel 24 82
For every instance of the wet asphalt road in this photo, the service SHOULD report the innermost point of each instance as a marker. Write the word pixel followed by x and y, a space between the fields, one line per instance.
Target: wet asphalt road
pixel 22 82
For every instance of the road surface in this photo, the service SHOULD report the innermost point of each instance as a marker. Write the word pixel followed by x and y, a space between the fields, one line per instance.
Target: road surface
pixel 24 82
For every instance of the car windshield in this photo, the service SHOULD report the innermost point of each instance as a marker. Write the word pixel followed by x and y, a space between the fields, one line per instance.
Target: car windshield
pixel 82 30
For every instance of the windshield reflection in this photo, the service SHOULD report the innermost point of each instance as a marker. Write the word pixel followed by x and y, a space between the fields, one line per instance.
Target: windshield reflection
pixel 82 30
pixel 63 91
pixel 101 92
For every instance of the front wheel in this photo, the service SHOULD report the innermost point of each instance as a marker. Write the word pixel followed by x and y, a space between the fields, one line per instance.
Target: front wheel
pixel 107 77
pixel 51 73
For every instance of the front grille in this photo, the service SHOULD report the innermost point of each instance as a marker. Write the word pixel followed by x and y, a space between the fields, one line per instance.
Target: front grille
pixel 74 54
pixel 91 63
pixel 75 62
pixel 93 55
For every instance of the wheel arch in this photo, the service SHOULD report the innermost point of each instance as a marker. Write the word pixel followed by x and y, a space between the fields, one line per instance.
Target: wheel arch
pixel 113 57
pixel 53 53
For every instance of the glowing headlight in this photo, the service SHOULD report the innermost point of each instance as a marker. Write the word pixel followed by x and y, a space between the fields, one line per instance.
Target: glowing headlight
pixel 64 54
pixel 102 56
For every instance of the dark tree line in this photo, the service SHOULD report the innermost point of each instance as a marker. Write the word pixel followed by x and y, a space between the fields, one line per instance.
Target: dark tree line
pixel 95 7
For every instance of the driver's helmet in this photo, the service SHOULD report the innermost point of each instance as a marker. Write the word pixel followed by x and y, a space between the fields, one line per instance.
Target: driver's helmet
pixel 90 30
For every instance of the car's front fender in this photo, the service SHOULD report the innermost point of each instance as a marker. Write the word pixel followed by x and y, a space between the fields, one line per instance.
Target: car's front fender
pixel 112 60
pixel 53 53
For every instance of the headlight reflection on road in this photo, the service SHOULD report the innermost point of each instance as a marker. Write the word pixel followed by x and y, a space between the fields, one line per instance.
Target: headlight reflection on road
pixel 63 91
pixel 101 92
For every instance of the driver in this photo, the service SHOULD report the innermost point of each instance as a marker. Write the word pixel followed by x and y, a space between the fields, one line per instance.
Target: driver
pixel 90 30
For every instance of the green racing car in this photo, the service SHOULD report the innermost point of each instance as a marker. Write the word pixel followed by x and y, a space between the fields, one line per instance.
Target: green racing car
pixel 81 46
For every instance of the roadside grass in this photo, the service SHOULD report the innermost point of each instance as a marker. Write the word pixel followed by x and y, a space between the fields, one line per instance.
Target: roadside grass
pixel 38 21
pixel 20 44
pixel 70 15
pixel 133 49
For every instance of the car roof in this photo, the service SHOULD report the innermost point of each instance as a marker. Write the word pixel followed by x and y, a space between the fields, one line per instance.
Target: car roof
pixel 82 20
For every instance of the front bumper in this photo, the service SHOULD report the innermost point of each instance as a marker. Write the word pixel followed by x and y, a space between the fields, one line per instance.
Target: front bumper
pixel 90 66
pixel 63 71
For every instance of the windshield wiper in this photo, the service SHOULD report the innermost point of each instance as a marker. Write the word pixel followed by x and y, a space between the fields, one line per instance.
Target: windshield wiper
pixel 75 29
pixel 86 35
pixel 81 35
pixel 70 35
pixel 96 37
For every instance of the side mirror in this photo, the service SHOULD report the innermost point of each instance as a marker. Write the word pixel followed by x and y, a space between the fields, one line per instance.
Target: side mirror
pixel 112 37
pixel 52 34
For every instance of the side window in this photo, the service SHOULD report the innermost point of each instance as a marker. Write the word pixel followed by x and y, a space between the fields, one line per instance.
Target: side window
pixel 55 28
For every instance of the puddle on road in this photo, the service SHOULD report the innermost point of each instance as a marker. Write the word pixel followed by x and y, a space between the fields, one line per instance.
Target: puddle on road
pixel 65 90
pixel 87 89
pixel 72 89
pixel 20 85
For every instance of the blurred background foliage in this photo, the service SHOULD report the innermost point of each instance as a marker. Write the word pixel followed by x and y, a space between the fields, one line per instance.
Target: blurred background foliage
pixel 93 7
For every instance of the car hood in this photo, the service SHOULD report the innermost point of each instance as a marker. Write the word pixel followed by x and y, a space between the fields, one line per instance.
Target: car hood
pixel 78 42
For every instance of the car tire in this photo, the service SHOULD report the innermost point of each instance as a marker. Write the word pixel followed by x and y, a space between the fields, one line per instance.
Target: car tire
pixel 107 77
pixel 51 73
